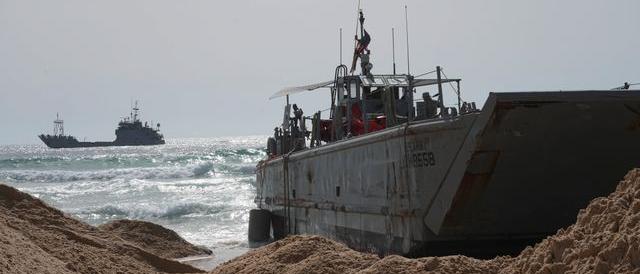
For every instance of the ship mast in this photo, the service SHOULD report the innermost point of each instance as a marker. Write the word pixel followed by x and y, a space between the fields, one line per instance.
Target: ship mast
pixel 135 112
pixel 58 126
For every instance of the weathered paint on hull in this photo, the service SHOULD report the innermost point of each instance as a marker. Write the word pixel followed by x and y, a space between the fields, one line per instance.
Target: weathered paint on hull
pixel 480 184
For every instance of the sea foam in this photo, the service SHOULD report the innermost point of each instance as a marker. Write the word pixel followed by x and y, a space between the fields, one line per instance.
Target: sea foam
pixel 138 212
pixel 174 172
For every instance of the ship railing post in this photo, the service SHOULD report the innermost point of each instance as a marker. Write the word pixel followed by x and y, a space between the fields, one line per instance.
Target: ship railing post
pixel 337 123
pixel 349 106
pixel 409 94
pixel 459 95
pixel 364 111
pixel 440 95
pixel 332 112
pixel 313 131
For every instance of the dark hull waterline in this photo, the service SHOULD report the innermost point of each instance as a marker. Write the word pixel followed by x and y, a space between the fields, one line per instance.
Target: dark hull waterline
pixel 62 142
pixel 55 142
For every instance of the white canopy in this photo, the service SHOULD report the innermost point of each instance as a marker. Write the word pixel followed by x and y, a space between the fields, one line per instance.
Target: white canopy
pixel 292 90
pixel 377 80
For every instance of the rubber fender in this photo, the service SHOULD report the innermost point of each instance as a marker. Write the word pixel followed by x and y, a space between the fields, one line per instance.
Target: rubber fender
pixel 259 225
pixel 278 223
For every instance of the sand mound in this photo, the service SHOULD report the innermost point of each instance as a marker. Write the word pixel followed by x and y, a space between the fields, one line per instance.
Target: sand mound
pixel 154 238
pixel 19 255
pixel 36 238
pixel 299 254
pixel 447 264
pixel 604 239
pixel 314 254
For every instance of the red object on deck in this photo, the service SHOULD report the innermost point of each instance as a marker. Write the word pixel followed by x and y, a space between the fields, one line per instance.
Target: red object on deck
pixel 357 125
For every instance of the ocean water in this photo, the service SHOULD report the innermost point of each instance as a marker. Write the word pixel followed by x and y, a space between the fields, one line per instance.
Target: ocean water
pixel 201 188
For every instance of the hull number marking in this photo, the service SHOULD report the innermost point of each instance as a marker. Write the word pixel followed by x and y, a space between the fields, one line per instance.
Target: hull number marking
pixel 423 159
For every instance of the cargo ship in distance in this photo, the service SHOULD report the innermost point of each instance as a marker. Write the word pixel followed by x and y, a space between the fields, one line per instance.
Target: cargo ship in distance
pixel 130 132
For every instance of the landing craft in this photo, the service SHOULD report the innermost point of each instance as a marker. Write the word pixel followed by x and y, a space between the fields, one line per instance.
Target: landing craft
pixel 130 132
pixel 390 174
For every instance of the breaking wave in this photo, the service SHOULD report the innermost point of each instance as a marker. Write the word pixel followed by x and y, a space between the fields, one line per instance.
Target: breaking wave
pixel 171 212
pixel 75 160
pixel 203 169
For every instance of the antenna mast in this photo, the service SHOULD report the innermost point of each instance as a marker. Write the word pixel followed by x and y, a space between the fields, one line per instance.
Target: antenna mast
pixel 393 49
pixel 340 46
pixel 406 24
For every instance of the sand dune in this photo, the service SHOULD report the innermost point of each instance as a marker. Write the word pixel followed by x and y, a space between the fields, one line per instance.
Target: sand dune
pixel 154 238
pixel 604 239
pixel 36 238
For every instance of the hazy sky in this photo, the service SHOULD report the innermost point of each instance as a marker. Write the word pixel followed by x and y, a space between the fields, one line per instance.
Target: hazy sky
pixel 207 68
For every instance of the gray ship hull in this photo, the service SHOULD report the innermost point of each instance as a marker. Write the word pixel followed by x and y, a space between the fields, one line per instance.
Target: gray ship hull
pixel 57 142
pixel 53 141
pixel 479 184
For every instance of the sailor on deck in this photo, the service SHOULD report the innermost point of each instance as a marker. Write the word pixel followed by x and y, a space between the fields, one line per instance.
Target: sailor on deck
pixel 431 105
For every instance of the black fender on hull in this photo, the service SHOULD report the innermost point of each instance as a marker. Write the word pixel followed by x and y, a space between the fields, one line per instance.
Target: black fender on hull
pixel 259 225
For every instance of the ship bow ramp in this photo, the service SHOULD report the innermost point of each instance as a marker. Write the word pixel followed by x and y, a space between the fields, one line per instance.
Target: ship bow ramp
pixel 532 160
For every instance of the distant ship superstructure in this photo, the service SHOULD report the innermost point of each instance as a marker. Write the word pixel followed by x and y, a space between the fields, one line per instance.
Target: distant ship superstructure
pixel 130 132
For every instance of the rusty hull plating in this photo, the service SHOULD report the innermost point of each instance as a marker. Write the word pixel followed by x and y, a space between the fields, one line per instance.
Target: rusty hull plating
pixel 482 183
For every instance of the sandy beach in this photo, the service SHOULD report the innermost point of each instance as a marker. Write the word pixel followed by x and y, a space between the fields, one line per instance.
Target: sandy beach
pixel 36 238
